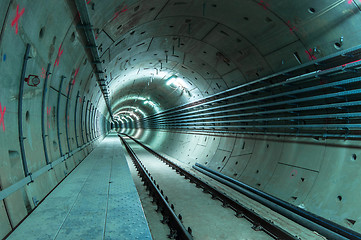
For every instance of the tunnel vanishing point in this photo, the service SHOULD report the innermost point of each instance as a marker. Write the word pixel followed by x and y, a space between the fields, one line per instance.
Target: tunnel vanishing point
pixel 264 92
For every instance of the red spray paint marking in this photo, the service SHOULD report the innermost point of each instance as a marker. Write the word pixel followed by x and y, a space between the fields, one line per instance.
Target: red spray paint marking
pixel 42 75
pixel 2 113
pixel 291 27
pixel 76 73
pixel 88 1
pixel 344 65
pixel 79 100
pixel 48 111
pixel 16 19
pixel 96 36
pixel 60 52
pixel 263 4
pixel 310 55
pixel 116 14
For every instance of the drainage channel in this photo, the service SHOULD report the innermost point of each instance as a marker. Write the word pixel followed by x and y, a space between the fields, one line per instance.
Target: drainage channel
pixel 208 219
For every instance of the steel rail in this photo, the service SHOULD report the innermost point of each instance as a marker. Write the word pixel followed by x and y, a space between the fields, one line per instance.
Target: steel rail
pixel 317 223
pixel 178 231
pixel 259 222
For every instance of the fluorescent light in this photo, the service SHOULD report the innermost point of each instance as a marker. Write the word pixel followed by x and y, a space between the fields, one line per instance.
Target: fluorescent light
pixel 179 82
pixel 150 103
pixel 171 80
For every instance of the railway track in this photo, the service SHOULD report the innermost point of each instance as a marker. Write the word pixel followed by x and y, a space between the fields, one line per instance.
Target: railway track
pixel 206 218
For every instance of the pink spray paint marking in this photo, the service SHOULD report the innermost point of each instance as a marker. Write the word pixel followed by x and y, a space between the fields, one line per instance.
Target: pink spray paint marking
pixel 350 1
pixel 48 111
pixel 116 14
pixel 75 74
pixel 16 19
pixel 2 113
pixel 42 75
pixel 60 52
pixel 310 55
pixel 79 100
pixel 263 4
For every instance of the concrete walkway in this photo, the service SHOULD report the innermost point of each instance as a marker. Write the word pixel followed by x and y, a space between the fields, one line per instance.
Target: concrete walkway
pixel 98 200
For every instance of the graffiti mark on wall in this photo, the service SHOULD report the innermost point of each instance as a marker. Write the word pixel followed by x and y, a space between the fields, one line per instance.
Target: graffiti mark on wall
pixel 16 19
pixel 310 54
pixel 43 73
pixel 263 4
pixel 75 74
pixel 116 13
pixel 352 1
pixel 291 27
pixel 60 52
pixel 2 113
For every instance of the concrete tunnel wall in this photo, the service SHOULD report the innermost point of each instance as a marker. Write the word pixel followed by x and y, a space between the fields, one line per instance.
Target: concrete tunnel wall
pixel 79 110
pixel 319 175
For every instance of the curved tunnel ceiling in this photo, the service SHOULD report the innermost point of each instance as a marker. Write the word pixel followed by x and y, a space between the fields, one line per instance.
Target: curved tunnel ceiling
pixel 212 46
pixel 157 55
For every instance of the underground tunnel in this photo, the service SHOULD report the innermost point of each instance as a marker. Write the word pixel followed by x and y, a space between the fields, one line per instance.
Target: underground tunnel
pixel 180 119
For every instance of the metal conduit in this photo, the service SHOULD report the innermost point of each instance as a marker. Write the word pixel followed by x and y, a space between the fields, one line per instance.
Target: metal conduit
pixel 286 82
pixel 291 93
pixel 344 82
pixel 319 103
pixel 318 107
pixel 342 59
